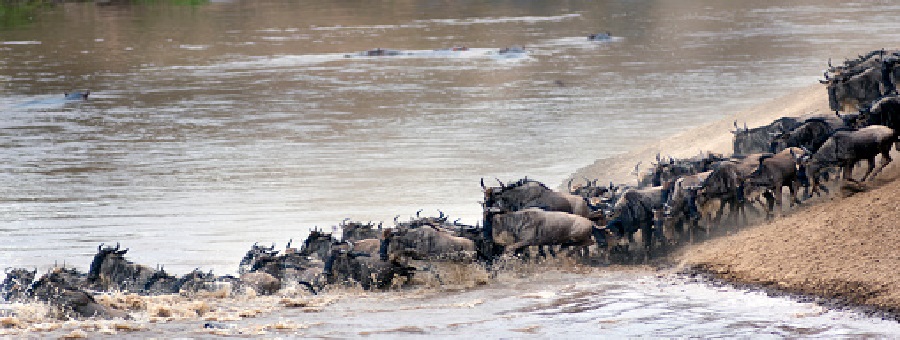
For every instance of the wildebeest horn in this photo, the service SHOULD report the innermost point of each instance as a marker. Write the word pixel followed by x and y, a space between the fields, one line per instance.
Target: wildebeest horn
pixel 657 157
pixel 482 184
pixel 441 214
pixel 289 243
pixel 501 182
pixel 417 213
pixel 117 246
pixel 570 184
pixel 99 248
pixel 396 219
pixel 122 252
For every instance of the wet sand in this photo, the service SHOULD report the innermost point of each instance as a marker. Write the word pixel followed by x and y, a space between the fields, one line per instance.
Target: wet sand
pixel 842 250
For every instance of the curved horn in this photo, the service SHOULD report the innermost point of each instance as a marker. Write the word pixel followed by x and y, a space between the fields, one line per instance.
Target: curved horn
pixel 501 182
pixel 100 247
pixel 441 216
pixel 417 213
pixel 117 246
pixel 482 184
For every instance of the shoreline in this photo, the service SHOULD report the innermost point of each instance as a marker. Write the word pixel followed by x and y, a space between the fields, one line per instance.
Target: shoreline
pixel 836 251
pixel 713 137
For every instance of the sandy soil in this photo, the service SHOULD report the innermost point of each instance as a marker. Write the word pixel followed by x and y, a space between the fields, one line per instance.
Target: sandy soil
pixel 843 249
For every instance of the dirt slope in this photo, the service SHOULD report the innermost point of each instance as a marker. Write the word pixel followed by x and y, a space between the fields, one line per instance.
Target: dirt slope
pixel 847 249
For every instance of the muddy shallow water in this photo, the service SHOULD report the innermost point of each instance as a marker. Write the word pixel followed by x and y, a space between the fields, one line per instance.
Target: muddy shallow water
pixel 551 303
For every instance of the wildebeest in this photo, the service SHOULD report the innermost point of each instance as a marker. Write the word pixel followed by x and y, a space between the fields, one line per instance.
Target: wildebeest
pixel 317 244
pixel 535 227
pixel 110 270
pixel 427 243
pixel 354 231
pixel 810 136
pixel 61 288
pixel 726 185
pixel 860 82
pixel 759 139
pixel 527 193
pixel 777 171
pixel 17 283
pixel 845 148
pixel 290 267
pixel 347 267
pixel 885 111
pixel 635 211
pixel 684 215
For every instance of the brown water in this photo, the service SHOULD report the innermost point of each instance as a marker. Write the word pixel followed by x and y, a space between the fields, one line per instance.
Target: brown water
pixel 546 302
pixel 214 126
pixel 217 125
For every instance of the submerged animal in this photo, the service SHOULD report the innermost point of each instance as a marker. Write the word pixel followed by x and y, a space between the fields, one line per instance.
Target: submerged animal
pixel 77 95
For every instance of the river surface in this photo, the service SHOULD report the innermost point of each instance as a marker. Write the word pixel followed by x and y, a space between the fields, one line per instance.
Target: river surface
pixel 213 125
pixel 545 302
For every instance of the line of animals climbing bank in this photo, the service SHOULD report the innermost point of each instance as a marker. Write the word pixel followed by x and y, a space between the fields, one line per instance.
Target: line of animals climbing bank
pixel 675 202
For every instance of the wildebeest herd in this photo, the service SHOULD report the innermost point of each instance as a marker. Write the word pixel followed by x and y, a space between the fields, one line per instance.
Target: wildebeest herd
pixel 675 202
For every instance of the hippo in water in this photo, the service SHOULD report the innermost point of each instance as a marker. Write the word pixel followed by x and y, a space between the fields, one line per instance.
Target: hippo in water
pixel 512 50
pixel 600 37
pixel 77 95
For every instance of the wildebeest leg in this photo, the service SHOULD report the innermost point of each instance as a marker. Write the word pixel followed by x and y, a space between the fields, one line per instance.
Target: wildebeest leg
pixel 869 170
pixel 647 236
pixel 779 198
pixel 848 172
pixel 794 187
pixel 541 253
pixel 886 155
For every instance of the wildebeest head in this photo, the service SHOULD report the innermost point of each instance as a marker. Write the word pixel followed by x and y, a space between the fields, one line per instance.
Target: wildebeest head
pixel 256 257
pixel 354 231
pixel 515 196
pixel 317 244
pixel 759 139
pixel 106 257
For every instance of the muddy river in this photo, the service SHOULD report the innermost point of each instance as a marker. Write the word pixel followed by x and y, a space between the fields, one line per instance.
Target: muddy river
pixel 211 125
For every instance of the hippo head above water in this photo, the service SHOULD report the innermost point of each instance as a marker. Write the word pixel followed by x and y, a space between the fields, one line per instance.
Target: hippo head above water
pixel 77 95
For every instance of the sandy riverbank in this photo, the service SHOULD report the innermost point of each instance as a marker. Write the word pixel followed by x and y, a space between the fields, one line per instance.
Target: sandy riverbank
pixel 841 249
pixel 713 137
